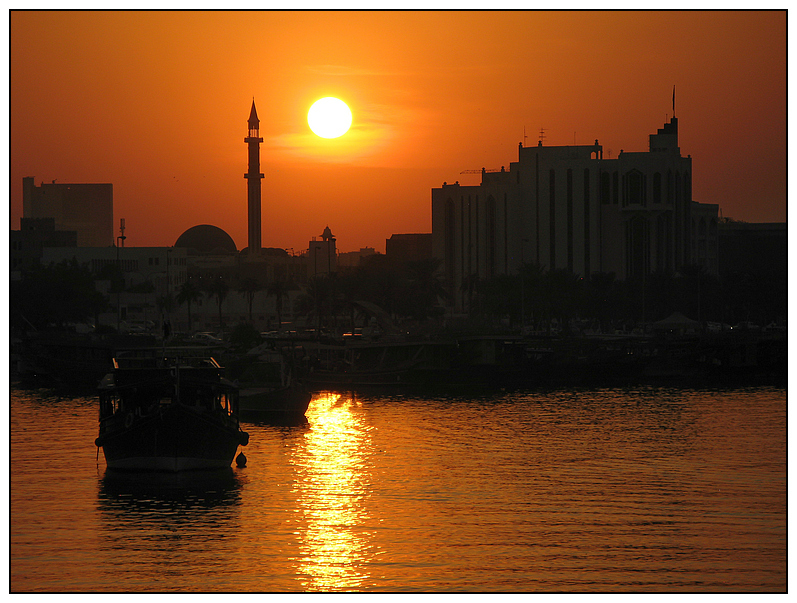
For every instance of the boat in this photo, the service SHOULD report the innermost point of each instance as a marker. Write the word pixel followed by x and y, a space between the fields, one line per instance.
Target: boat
pixel 281 403
pixel 268 388
pixel 168 414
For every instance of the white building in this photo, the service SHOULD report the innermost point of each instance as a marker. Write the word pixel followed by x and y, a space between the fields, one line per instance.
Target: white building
pixel 569 207
pixel 322 255
pixel 165 268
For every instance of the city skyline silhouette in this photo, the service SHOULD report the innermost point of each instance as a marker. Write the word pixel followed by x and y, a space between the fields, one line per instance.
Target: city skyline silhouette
pixel 155 103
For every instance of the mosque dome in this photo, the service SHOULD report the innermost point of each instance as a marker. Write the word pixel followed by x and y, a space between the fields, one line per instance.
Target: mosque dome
pixel 207 239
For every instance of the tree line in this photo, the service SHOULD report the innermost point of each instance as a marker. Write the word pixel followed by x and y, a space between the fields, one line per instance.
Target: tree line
pixel 415 294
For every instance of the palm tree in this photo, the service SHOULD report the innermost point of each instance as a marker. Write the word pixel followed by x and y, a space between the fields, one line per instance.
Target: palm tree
pixel 317 298
pixel 470 284
pixel 532 294
pixel 427 285
pixel 165 303
pixel 189 293
pixel 350 291
pixel 279 289
pixel 219 288
pixel 249 286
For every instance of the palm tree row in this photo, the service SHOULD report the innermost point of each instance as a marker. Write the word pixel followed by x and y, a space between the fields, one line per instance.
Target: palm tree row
pixel 536 295
pixel 218 288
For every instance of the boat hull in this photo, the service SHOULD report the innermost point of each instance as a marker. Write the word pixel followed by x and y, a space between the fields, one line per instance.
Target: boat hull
pixel 175 438
pixel 259 402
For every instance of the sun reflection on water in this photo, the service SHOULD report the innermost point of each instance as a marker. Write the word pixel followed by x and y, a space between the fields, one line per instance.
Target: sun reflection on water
pixel 332 491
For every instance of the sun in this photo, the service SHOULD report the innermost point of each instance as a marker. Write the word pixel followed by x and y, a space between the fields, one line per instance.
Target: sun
pixel 329 117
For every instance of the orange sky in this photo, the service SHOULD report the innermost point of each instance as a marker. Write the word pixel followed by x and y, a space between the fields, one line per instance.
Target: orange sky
pixel 156 103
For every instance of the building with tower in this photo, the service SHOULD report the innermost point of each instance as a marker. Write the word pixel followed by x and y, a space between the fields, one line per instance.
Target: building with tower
pixel 322 255
pixel 253 178
pixel 569 207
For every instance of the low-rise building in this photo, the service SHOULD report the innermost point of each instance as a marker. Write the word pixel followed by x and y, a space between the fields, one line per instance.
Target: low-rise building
pixel 402 248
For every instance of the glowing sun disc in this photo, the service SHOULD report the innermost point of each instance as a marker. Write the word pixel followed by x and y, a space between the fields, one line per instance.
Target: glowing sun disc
pixel 329 117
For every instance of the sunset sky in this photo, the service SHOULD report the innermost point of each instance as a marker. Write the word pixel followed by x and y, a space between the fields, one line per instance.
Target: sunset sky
pixel 156 103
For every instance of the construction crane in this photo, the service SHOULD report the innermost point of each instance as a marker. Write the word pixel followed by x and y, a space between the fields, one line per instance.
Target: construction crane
pixel 481 171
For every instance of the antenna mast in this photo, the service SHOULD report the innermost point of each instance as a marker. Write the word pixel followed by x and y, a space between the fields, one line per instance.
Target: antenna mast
pixel 122 231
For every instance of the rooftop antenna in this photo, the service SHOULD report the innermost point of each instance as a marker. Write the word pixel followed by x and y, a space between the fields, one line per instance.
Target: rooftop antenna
pixel 542 135
pixel 524 136
pixel 673 100
pixel 122 231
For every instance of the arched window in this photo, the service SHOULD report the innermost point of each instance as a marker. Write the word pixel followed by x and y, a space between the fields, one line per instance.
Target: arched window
pixel 569 182
pixel 506 238
pixel 663 243
pixel 637 241
pixel 449 241
pixel 490 234
pixel 657 187
pixel 634 188
pixel 670 188
pixel 552 217
pixel 586 223
pixel 606 188
pixel 615 188
pixel 687 187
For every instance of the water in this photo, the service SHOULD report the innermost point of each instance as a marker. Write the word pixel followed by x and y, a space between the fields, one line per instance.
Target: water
pixel 650 490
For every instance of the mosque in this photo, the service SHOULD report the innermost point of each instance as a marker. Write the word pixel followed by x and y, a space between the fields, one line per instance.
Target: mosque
pixel 51 233
pixel 211 241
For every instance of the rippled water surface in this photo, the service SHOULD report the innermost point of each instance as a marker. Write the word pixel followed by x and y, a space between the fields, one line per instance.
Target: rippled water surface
pixel 576 491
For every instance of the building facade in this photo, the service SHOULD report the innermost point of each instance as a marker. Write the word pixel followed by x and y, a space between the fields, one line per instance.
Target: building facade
pixel 84 208
pixel 409 247
pixel 705 237
pixel 322 255
pixel 352 259
pixel 164 267
pixel 761 249
pixel 569 207
pixel 27 243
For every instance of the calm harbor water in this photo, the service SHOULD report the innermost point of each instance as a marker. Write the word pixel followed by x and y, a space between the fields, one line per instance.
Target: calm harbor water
pixel 646 490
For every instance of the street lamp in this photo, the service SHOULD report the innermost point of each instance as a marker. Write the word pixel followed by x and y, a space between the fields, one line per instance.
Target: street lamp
pixel 522 290
pixel 119 269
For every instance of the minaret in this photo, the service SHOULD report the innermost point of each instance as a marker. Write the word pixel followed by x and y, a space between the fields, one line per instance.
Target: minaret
pixel 254 176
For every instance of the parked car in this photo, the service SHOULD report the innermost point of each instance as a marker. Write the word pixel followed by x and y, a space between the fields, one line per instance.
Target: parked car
pixel 207 339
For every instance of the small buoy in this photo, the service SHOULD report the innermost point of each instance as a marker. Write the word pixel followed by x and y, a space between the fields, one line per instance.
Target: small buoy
pixel 240 460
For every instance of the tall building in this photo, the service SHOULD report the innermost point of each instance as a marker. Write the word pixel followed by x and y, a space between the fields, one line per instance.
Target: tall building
pixel 28 242
pixel 569 207
pixel 253 177
pixel 86 209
